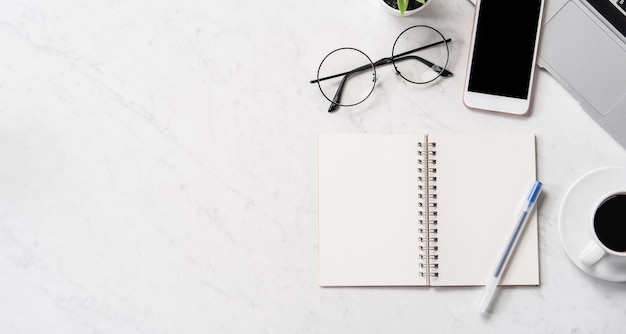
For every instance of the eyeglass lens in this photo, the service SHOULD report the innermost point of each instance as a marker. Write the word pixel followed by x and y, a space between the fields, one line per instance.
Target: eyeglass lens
pixel 346 77
pixel 420 54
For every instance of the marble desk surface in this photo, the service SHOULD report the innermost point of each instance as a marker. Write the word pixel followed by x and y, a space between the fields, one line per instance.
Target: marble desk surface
pixel 158 171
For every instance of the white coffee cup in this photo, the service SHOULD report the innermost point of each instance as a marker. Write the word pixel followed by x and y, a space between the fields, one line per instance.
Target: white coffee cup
pixel 607 229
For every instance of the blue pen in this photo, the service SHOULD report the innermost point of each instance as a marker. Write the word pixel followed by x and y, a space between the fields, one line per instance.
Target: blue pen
pixel 494 279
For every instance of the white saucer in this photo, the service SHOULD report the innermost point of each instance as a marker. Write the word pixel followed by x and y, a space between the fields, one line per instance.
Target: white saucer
pixel 575 213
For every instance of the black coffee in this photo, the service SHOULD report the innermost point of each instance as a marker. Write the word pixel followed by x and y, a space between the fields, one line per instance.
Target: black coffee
pixel 609 223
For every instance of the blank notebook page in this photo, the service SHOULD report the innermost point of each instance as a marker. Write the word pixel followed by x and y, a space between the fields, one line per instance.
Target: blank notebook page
pixel 482 183
pixel 368 191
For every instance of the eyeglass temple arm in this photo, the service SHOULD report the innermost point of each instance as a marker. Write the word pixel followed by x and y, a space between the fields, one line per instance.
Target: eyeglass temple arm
pixel 424 47
pixel 358 69
pixel 334 105
pixel 434 67
pixel 396 57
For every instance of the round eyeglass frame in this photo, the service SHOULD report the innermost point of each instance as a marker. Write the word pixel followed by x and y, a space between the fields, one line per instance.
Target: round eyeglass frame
pixel 442 68
pixel 368 66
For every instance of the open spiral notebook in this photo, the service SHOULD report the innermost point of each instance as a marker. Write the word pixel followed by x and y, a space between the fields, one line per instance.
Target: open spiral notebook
pixel 414 210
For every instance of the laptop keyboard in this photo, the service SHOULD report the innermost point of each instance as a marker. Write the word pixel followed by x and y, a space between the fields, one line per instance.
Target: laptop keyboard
pixel 621 4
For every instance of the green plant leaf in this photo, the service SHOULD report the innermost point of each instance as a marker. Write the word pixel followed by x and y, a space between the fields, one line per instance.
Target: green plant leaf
pixel 402 5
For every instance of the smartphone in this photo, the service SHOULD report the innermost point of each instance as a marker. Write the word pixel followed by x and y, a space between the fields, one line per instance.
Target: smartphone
pixel 503 52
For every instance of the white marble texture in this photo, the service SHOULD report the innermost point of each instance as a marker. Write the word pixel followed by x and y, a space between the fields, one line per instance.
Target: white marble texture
pixel 158 171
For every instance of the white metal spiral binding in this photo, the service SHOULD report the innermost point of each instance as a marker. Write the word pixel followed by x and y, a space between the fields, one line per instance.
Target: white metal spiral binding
pixel 427 186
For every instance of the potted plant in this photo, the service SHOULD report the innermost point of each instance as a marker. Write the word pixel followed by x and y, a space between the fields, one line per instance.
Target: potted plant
pixel 404 7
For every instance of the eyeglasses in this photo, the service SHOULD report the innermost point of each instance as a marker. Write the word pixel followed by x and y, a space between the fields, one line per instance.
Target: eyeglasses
pixel 419 55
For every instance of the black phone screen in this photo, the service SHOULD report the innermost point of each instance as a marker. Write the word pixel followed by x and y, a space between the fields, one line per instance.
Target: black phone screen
pixel 504 47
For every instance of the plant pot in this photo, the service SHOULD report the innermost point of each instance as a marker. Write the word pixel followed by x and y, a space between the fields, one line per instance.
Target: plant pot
pixel 391 7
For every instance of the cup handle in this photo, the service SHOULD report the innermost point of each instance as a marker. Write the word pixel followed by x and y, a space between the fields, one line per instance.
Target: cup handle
pixel 591 254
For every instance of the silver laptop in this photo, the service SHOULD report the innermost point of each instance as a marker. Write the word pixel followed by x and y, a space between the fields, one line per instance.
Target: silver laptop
pixel 583 46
